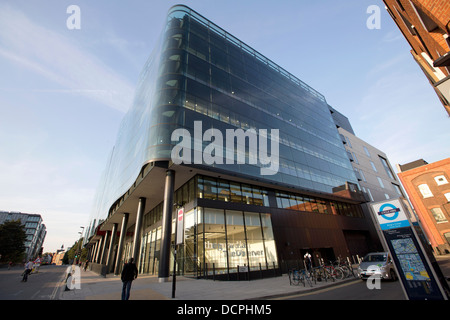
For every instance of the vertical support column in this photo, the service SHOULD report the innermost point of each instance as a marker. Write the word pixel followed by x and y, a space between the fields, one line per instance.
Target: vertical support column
pixel 137 230
pixel 111 248
pixel 123 234
pixel 105 243
pixel 93 252
pixel 164 263
pixel 99 248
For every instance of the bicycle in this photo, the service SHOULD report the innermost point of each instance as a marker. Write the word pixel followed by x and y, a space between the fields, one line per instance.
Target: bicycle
pixel 346 267
pixel 334 273
pixel 300 276
pixel 319 274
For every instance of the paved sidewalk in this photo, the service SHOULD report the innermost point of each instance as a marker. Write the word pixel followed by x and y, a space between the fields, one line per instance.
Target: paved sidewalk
pixel 95 287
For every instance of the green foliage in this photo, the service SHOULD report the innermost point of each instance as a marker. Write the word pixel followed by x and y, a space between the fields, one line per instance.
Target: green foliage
pixel 12 241
pixel 74 253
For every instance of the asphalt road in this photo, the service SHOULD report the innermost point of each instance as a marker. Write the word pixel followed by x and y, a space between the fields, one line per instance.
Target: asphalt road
pixel 354 290
pixel 40 286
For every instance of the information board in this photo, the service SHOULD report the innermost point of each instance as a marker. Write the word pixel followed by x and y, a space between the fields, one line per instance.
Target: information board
pixel 418 279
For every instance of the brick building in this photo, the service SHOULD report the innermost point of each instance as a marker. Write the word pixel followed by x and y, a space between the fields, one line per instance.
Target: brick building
pixel 428 187
pixel 426 26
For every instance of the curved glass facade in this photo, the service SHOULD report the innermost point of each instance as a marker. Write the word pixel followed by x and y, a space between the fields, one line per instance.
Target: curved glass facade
pixel 199 72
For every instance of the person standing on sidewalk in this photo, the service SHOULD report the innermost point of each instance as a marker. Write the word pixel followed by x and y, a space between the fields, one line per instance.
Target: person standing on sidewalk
pixel 129 273
pixel 28 268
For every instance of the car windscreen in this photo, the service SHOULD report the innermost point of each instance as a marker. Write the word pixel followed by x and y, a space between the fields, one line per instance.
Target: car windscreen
pixel 375 258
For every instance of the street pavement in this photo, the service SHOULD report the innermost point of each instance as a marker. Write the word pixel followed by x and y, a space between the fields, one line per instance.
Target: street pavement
pixel 95 287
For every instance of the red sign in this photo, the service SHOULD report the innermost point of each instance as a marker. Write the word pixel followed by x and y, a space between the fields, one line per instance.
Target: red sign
pixel 180 227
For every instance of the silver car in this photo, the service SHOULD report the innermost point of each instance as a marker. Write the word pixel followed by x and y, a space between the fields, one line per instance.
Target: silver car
pixel 377 264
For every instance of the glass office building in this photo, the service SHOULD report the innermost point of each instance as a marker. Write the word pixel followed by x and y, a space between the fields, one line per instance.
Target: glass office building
pixel 202 79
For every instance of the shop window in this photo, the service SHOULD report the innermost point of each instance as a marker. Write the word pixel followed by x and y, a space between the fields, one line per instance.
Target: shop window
pixel 269 241
pixel 255 242
pixel 236 244
pixel 213 240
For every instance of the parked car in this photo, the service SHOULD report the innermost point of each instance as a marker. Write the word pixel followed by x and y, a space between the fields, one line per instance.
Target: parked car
pixel 379 264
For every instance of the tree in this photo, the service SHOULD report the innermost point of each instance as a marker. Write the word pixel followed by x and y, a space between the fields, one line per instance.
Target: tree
pixel 12 241
pixel 73 254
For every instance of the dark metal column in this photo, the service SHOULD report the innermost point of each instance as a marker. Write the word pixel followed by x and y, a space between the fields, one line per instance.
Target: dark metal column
pixel 111 248
pixel 137 230
pixel 123 234
pixel 164 263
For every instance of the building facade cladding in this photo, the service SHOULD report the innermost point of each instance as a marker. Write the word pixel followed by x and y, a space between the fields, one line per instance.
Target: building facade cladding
pixel 200 73
pixel 373 170
pixel 228 224
pixel 428 187
pixel 425 24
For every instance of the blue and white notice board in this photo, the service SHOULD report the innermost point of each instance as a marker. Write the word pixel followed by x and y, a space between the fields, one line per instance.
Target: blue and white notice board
pixel 414 269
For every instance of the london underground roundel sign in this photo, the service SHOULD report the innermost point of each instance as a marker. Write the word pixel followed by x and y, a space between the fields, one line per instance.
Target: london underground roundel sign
pixel 390 215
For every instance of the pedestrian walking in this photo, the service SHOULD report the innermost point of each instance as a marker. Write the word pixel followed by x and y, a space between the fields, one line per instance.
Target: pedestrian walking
pixel 27 271
pixel 129 273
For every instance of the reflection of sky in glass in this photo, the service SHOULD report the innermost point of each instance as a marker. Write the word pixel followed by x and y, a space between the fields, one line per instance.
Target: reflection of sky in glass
pixel 264 97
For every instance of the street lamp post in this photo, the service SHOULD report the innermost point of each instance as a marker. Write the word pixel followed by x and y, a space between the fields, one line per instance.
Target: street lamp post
pixel 78 252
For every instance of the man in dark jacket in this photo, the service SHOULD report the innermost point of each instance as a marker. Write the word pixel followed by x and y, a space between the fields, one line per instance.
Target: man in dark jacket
pixel 129 273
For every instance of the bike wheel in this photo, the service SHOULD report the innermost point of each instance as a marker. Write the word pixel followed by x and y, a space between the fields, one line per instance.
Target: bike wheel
pixel 329 274
pixel 339 273
pixel 295 278
pixel 346 271
pixel 308 279
pixel 302 279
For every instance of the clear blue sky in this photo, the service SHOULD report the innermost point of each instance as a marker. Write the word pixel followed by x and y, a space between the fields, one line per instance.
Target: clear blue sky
pixel 64 92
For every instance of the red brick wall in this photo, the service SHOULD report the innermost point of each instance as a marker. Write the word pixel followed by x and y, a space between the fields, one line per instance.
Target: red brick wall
pixel 411 179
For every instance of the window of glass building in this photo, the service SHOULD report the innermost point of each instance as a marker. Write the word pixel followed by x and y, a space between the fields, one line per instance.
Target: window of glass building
pixel 230 239
pixel 237 248
pixel 366 151
pixel 380 181
pixel 373 166
pixel 386 167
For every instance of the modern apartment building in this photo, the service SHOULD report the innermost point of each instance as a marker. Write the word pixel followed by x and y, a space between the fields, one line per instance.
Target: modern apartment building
pixel 425 24
pixel 34 228
pixel 428 188
pixel 250 152
pixel 375 175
